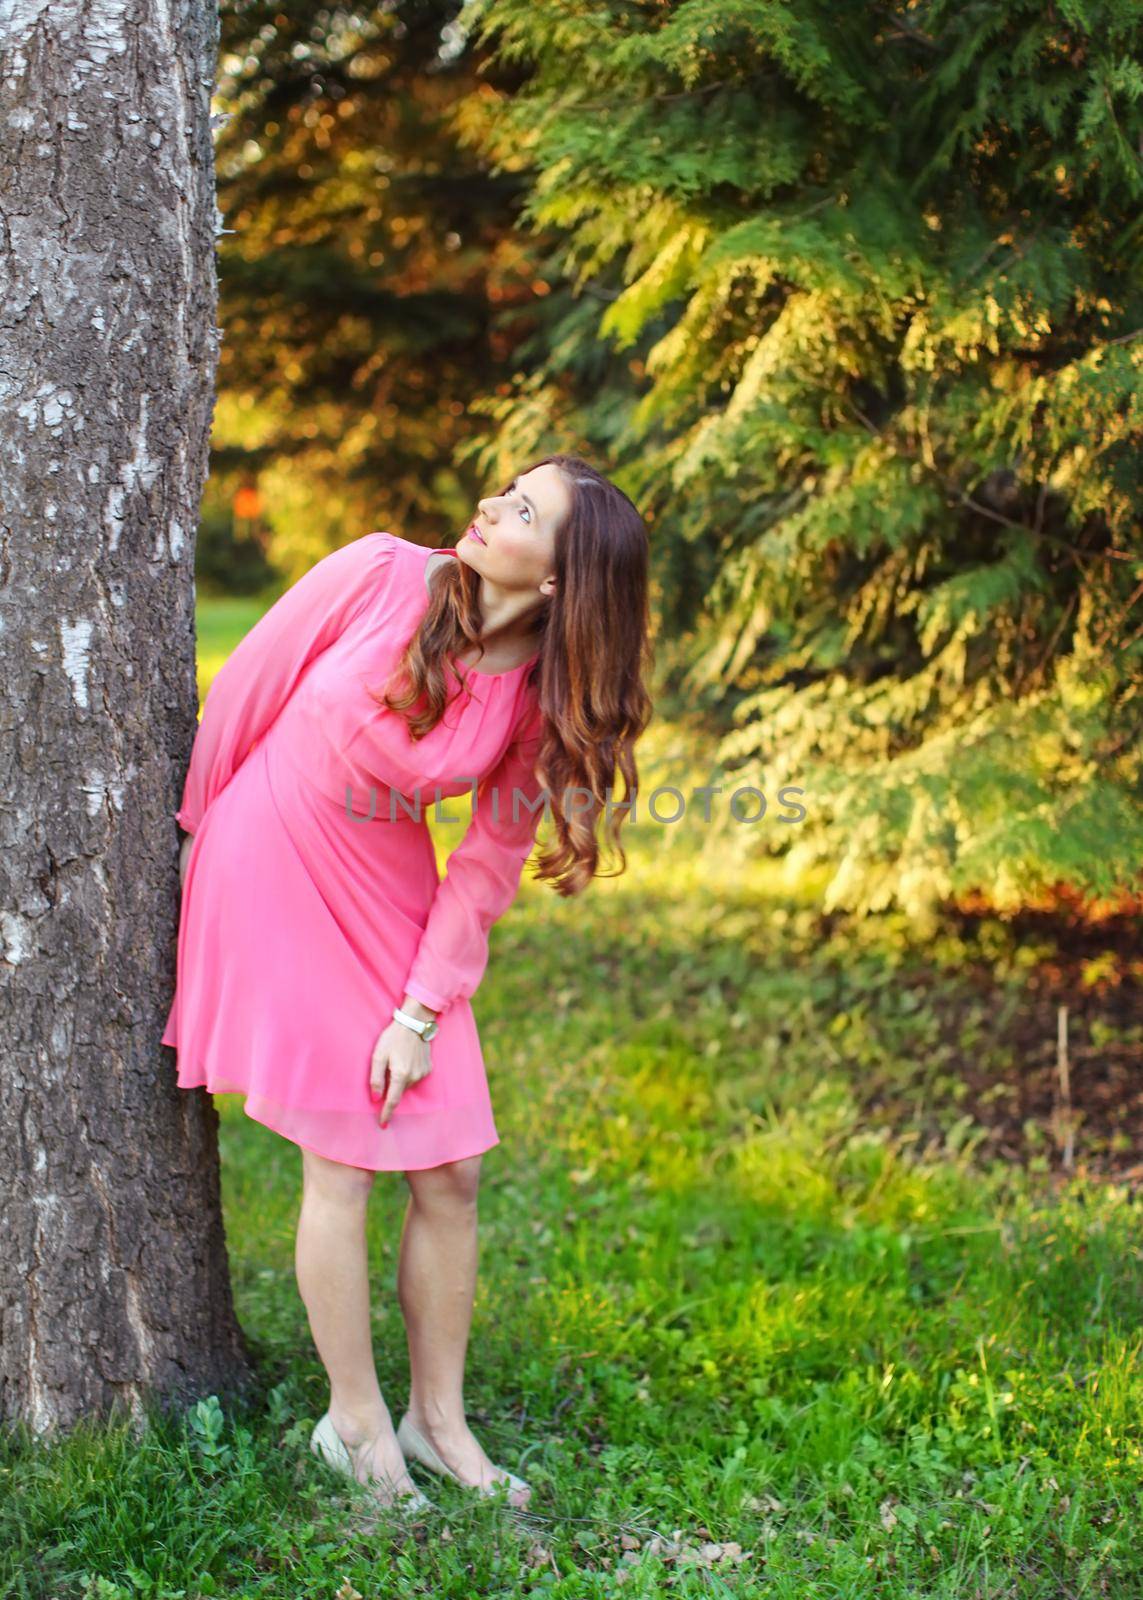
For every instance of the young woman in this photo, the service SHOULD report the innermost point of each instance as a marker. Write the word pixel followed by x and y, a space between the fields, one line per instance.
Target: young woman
pixel 325 970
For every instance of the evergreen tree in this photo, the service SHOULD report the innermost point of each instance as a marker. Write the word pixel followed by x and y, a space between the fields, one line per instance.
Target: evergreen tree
pixel 857 310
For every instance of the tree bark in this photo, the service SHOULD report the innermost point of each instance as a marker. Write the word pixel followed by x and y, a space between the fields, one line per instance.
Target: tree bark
pixel 114 1283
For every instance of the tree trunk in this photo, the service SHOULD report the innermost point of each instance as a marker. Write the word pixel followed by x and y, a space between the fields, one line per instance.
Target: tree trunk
pixel 114 1285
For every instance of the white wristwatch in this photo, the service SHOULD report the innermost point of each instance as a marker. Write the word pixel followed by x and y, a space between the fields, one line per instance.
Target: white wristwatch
pixel 425 1029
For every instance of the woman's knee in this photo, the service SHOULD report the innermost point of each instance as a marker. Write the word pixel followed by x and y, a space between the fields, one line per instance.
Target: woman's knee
pixel 453 1183
pixel 335 1180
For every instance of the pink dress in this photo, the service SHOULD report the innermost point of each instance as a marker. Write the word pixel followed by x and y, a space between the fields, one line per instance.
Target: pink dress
pixel 312 901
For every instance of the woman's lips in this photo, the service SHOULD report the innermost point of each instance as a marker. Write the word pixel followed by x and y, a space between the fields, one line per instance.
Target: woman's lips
pixel 474 533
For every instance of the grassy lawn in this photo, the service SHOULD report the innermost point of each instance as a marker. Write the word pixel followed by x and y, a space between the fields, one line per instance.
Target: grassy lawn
pixel 743 1331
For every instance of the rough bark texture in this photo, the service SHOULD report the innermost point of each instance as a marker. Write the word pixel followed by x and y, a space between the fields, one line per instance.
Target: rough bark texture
pixel 114 1285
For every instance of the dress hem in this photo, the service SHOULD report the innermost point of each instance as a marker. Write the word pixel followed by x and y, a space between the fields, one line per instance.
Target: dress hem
pixel 409 1138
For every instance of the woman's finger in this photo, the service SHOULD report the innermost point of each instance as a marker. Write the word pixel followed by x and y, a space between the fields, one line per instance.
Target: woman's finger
pixel 377 1066
pixel 397 1086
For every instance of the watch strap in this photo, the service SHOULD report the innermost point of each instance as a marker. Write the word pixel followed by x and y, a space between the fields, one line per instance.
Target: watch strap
pixel 426 1028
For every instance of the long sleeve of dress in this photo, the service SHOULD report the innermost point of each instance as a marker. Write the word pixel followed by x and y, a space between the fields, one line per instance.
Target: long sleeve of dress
pixel 481 878
pixel 260 674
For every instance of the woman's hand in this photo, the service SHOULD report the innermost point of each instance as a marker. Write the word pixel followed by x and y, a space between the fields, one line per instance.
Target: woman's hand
pixel 408 1060
pixel 184 856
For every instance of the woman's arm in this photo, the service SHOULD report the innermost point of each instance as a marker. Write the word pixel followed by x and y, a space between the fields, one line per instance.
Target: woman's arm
pixel 184 856
pixel 262 671
pixel 482 877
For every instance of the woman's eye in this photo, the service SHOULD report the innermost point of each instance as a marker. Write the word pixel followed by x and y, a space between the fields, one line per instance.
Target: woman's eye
pixel 521 509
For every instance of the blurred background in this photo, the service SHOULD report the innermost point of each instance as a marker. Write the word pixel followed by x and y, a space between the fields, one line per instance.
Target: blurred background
pixel 850 304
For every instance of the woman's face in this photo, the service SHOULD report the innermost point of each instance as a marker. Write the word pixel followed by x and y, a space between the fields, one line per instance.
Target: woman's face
pixel 515 532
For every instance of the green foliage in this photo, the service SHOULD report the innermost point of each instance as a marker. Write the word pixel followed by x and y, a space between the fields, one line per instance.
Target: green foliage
pixel 229 559
pixel 872 277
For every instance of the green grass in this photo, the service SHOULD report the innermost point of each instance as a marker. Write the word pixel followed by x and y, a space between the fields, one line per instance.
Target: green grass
pixel 719 1303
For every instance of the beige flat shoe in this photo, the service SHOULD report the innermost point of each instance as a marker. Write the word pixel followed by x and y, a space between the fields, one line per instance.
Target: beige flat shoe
pixel 413 1443
pixel 328 1445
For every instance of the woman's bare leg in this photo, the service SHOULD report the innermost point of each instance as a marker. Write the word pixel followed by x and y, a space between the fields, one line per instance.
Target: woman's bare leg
pixel 436 1282
pixel 331 1262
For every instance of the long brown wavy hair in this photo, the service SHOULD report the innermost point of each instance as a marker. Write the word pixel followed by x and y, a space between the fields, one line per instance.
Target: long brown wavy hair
pixel 595 647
